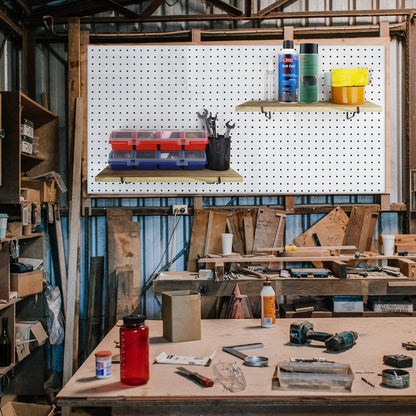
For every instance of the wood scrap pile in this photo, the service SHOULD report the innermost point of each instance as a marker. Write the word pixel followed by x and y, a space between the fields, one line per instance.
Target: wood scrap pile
pixel 251 228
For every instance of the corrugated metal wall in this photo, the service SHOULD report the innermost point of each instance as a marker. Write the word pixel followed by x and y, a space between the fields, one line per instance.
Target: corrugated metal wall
pixel 156 231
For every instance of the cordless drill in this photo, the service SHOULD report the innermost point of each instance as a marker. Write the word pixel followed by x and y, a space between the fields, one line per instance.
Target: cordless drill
pixel 301 332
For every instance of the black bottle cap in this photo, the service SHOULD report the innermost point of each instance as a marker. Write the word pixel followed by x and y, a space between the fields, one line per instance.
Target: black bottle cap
pixel 134 319
pixel 288 44
pixel 308 48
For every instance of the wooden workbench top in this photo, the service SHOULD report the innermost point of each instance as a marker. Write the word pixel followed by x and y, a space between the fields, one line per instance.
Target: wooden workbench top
pixel 377 337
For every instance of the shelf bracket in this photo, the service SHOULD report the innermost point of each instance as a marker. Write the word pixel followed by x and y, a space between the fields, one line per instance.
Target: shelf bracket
pixel 267 114
pixel 353 114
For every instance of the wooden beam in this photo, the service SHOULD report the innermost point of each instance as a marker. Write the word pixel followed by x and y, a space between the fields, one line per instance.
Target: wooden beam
pixel 74 86
pixel 117 7
pixel 27 9
pixel 196 35
pixel 409 158
pixel 84 41
pixel 29 63
pixel 9 25
pixel 151 8
pixel 248 7
pixel 274 6
pixel 226 7
pixel 73 252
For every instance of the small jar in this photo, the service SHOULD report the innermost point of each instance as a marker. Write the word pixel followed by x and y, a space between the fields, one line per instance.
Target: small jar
pixel 103 364
pixel 134 350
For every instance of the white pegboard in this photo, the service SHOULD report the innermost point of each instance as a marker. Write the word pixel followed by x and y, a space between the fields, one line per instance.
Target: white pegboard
pixel 163 86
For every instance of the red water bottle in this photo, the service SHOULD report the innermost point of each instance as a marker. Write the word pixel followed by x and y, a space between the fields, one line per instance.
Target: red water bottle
pixel 134 350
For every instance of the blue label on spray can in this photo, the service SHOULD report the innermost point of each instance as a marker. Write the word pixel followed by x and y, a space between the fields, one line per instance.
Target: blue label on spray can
pixel 288 78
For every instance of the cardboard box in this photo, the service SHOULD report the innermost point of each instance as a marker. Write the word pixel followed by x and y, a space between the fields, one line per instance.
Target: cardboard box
pixel 24 409
pixel 47 189
pixel 29 334
pixel 181 314
pixel 15 228
pixel 27 283
pixel 348 304
pixel 30 194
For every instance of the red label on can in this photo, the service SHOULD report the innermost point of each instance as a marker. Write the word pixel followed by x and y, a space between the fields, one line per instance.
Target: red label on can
pixel 287 60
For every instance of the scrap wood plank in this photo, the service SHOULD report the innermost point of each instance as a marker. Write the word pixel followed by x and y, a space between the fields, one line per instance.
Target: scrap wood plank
pixel 405 242
pixel 270 227
pixel 125 292
pixel 361 226
pixel 95 303
pixel 73 259
pixel 124 250
pixel 237 222
pixel 329 231
pixel 206 233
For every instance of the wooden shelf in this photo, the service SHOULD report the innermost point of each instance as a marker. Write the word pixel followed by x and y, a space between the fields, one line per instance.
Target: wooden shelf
pixel 321 106
pixel 21 237
pixel 205 175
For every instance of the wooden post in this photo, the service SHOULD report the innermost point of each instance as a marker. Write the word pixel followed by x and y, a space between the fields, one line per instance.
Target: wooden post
pixel 74 231
pixel 74 87
pixel 85 40
pixel 409 159
pixel 29 63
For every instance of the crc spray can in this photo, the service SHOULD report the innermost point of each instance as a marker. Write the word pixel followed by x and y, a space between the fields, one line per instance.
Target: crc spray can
pixel 288 74
pixel 308 73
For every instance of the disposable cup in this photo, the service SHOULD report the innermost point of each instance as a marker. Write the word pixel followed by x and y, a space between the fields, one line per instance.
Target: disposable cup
pixel 227 243
pixel 388 244
pixel 3 225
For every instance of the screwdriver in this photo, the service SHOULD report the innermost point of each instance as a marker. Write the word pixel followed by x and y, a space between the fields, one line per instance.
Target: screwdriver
pixel 204 381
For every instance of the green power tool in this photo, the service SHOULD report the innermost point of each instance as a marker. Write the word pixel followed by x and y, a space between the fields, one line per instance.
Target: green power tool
pixel 301 332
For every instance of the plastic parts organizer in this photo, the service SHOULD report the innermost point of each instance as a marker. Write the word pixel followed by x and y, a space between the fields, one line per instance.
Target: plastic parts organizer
pixel 163 139
pixel 162 159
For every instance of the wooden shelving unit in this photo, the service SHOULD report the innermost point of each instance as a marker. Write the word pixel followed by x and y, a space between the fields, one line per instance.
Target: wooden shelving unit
pixel 205 175
pixel 321 106
pixel 16 106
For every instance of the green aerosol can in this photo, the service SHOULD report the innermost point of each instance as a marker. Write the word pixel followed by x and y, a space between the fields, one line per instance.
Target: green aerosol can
pixel 308 73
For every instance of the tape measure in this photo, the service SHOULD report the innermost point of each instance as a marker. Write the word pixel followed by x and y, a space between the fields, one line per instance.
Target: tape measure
pixel 398 379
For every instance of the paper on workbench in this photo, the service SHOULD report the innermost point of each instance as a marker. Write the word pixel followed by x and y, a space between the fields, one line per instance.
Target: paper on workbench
pixel 164 358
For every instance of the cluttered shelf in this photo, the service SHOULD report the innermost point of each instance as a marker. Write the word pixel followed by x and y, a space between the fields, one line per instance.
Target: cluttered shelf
pixel 321 106
pixel 180 175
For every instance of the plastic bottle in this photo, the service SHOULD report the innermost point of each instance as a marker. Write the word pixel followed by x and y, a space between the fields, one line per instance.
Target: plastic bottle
pixel 5 346
pixel 134 350
pixel 308 73
pixel 288 74
pixel 270 82
pixel 268 308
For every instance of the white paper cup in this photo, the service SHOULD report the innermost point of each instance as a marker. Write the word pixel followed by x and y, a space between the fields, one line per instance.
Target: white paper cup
pixel 388 244
pixel 227 243
pixel 3 225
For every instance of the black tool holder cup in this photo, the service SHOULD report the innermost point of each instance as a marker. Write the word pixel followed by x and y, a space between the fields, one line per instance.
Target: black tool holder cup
pixel 218 153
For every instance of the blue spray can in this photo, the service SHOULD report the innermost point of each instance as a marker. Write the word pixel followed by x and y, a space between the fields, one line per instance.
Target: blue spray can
pixel 288 74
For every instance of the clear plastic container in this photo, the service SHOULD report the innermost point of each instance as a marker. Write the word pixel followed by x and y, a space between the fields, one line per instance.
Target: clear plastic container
pixel 169 160
pixel 123 139
pixel 194 159
pixel 315 376
pixel 122 159
pixel 146 160
pixel 134 350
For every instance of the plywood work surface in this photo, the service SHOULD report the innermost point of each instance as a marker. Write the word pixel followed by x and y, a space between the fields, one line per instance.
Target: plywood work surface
pixel 365 358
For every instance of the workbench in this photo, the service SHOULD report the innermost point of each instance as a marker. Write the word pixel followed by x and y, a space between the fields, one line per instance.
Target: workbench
pixel 168 393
